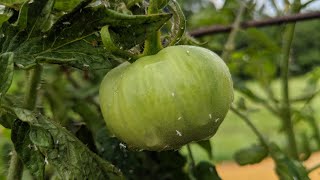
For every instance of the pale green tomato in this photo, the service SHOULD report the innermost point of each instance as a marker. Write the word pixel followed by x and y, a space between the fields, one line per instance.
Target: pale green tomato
pixel 167 100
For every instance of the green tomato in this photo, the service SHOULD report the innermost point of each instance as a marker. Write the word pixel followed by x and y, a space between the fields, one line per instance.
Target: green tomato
pixel 164 101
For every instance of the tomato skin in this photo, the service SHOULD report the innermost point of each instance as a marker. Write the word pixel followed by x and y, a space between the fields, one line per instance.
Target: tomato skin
pixel 167 100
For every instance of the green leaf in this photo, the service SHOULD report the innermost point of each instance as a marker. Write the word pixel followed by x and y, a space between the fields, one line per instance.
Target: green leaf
pixel 127 35
pixel 15 4
pixel 38 37
pixel 7 117
pixel 206 171
pixel 6 72
pixel 5 14
pixel 287 168
pixel 63 5
pixel 206 145
pixel 32 158
pixel 59 148
pixel 251 155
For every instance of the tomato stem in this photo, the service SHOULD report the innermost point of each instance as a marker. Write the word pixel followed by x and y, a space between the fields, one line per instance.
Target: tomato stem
pixel 286 114
pixel 152 44
pixel 192 164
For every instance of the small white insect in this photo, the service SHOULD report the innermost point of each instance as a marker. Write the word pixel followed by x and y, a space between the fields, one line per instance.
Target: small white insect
pixel 172 94
pixel 210 116
pixel 178 133
pixel 179 118
pixel 217 120
pixel 46 160
pixel 122 146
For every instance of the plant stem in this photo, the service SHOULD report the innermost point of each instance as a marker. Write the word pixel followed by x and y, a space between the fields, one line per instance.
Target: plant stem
pixel 313 168
pixel 251 125
pixel 32 88
pixel 191 158
pixel 15 168
pixel 286 108
pixel 16 165
pixel 152 44
pixel 229 46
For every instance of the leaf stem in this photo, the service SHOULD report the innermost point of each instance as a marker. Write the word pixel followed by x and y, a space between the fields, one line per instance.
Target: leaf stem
pixel 229 46
pixel 152 44
pixel 251 125
pixel 191 158
pixel 16 165
pixel 313 168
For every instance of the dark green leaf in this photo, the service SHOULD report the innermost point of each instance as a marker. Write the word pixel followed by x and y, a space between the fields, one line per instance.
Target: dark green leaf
pixel 144 165
pixel 37 37
pixel 59 148
pixel 6 119
pixel 206 145
pixel 287 168
pixel 86 137
pixel 29 153
pixel 6 72
pixel 251 155
pixel 5 149
pixel 206 171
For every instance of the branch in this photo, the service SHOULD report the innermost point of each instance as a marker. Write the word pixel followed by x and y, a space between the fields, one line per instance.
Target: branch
pixel 313 168
pixel 215 29
pixel 229 46
pixel 251 125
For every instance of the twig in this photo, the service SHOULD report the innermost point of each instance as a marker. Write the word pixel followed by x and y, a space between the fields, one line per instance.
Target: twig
pixel 229 45
pixel 191 158
pixel 215 29
pixel 313 168
pixel 251 125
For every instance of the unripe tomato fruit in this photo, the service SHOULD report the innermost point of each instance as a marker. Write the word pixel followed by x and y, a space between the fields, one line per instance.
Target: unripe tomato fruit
pixel 164 101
